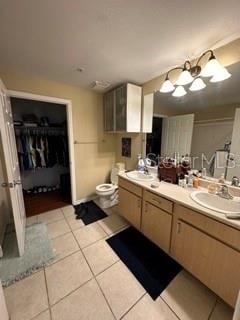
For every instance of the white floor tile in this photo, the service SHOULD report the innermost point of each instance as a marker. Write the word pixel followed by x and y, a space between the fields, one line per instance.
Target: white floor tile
pixel 149 309
pixel 222 311
pixel 27 298
pixel 68 211
pixel 64 246
pixel 100 256
pixel 58 228
pixel 50 216
pixel 31 220
pixel 74 223
pixel 66 275
pixel 86 303
pixel 113 223
pixel 189 298
pixel 43 316
pixel 120 288
pixel 89 234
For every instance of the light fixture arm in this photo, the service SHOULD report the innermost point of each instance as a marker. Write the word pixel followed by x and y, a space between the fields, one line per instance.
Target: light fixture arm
pixel 176 68
pixel 204 54
pixel 187 65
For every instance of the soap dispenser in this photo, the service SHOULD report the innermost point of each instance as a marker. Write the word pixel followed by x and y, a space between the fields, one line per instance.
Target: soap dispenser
pixel 141 164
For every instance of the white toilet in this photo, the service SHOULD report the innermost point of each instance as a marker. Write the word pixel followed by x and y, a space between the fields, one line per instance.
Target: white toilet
pixel 108 192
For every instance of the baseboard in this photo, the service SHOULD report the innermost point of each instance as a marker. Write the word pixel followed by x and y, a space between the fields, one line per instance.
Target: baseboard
pixel 85 200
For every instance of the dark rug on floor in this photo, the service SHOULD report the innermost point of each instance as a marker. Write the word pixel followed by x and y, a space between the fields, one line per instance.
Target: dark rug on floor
pixel 153 268
pixel 89 212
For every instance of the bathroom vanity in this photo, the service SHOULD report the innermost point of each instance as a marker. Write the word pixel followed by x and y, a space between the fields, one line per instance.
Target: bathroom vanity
pixel 203 241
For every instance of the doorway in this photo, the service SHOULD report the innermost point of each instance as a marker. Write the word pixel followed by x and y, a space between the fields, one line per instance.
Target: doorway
pixel 45 151
pixel 153 143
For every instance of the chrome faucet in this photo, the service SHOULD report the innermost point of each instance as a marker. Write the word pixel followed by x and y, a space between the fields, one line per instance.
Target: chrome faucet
pixel 235 181
pixel 223 192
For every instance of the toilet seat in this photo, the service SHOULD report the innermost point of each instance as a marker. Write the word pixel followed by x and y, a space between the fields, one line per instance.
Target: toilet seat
pixel 105 187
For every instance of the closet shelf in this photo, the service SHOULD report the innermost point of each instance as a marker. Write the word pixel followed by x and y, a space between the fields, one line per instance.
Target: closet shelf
pixel 40 129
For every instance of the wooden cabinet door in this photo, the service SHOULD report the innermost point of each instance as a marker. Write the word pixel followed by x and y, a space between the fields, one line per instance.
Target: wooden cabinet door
pixel 156 225
pixel 130 207
pixel 211 261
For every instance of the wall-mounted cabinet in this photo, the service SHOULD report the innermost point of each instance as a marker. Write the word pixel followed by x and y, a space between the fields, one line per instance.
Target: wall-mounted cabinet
pixel 122 109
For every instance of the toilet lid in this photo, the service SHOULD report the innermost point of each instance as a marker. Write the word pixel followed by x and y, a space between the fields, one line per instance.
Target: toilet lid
pixel 114 176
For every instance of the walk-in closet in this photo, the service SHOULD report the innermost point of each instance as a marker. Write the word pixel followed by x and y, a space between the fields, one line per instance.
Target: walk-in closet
pixel 43 153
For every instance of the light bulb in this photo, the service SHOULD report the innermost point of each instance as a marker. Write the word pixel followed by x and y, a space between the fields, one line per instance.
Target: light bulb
pixel 197 84
pixel 184 78
pixel 167 86
pixel 211 68
pixel 179 92
pixel 220 75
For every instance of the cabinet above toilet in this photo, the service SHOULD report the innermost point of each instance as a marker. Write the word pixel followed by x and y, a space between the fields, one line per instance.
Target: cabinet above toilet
pixel 122 109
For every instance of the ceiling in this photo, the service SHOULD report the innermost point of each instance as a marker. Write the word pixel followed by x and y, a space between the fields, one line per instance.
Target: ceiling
pixel 114 40
pixel 225 93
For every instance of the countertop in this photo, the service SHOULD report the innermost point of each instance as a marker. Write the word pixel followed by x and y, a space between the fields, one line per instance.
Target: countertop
pixel 182 196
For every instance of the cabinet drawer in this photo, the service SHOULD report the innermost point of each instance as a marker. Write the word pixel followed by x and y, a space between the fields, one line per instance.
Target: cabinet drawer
pixel 123 183
pixel 158 201
pixel 156 225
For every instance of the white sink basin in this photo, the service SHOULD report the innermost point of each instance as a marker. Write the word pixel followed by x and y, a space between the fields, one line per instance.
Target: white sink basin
pixel 216 203
pixel 139 176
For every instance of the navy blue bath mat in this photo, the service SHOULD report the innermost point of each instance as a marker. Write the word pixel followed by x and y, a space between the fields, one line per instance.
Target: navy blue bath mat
pixel 89 212
pixel 152 267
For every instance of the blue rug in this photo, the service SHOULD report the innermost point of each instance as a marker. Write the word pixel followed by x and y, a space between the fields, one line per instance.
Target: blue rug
pixel 38 253
pixel 152 267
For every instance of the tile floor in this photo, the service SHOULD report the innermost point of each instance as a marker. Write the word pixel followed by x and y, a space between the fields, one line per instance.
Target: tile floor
pixel 88 281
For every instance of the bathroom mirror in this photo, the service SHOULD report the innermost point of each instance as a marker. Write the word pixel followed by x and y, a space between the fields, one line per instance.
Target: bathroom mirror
pixel 204 124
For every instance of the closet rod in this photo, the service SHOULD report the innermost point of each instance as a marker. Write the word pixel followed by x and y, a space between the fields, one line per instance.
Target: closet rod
pixel 89 142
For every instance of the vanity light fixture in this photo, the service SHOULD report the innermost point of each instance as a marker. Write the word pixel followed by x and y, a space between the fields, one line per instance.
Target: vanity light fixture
pixel 198 84
pixel 192 74
pixel 179 92
pixel 185 76
pixel 167 86
pixel 220 75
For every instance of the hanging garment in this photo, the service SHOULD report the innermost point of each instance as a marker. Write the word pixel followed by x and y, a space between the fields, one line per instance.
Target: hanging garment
pixel 42 150
pixel 20 152
pixel 33 152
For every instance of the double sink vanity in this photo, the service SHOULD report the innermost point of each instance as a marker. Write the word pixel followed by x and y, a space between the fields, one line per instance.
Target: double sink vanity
pixel 202 240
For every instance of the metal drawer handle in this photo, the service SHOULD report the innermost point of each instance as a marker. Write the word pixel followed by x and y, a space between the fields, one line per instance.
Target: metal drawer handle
pixel 146 207
pixel 139 203
pixel 158 201
pixel 179 227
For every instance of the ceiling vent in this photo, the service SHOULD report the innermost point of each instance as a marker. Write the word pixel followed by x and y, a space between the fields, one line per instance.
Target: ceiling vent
pixel 100 85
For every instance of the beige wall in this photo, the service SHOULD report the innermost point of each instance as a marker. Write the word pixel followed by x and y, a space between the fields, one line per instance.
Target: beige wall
pixel 131 162
pixel 93 162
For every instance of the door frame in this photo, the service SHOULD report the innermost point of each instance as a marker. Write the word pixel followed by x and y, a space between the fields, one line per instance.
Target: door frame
pixel 68 104
pixel 144 136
